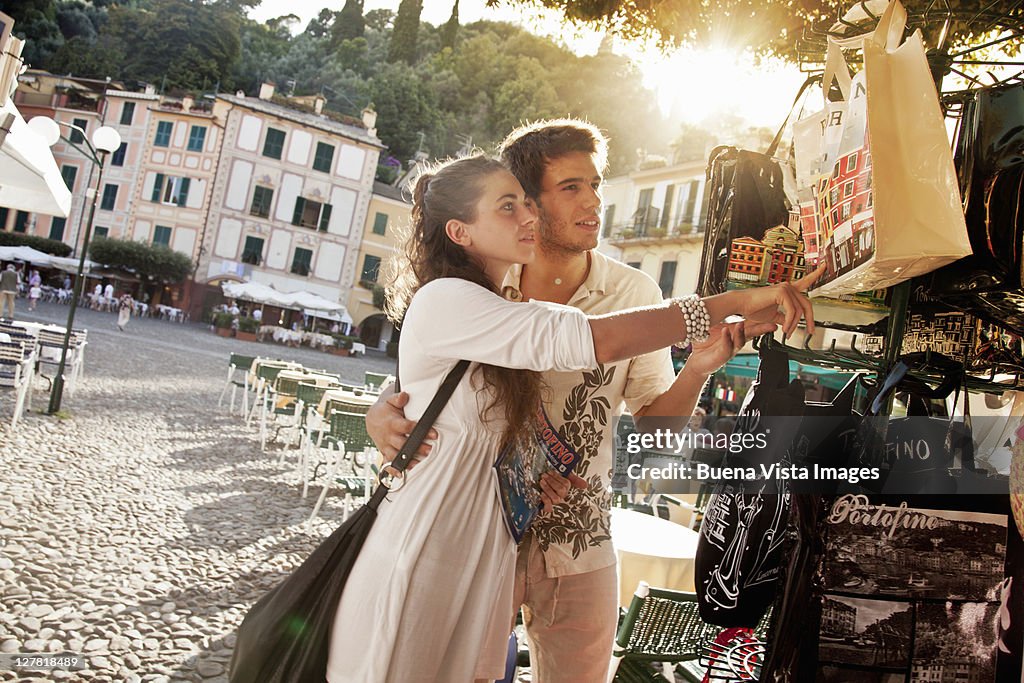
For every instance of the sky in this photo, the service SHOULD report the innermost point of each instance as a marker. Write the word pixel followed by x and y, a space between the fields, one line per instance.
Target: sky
pixel 688 83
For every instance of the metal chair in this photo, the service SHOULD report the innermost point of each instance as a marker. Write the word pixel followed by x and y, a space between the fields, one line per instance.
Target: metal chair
pixel 237 362
pixel 17 362
pixel 347 436
pixel 663 627
pixel 308 419
pixel 375 380
pixel 266 373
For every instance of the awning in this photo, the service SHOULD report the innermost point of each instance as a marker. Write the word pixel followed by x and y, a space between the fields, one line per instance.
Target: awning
pixel 29 177
pixel 311 304
pixel 27 255
pixel 70 264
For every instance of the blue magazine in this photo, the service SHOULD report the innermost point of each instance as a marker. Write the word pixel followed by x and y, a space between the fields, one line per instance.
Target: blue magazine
pixel 519 468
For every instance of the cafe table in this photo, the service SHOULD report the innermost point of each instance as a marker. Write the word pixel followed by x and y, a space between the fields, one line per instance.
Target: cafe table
pixel 363 398
pixel 654 550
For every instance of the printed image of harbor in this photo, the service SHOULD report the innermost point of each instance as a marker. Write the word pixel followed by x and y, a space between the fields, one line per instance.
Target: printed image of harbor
pixel 865 632
pixel 908 552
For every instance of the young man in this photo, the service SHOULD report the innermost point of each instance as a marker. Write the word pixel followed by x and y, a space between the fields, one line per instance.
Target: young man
pixel 565 576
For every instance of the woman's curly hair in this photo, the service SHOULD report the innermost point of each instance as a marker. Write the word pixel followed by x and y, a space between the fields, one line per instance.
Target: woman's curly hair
pixel 451 191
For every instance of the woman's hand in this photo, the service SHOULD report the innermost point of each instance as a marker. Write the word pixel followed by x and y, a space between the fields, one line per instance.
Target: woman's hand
pixel 783 304
pixel 554 488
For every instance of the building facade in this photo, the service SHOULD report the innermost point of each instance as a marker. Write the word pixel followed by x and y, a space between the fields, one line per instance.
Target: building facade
pixel 388 213
pixel 652 221
pixel 290 197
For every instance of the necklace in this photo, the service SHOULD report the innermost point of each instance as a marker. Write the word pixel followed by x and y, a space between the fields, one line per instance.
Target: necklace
pixel 558 280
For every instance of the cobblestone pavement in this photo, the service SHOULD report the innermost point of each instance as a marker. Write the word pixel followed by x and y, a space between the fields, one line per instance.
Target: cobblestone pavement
pixel 139 526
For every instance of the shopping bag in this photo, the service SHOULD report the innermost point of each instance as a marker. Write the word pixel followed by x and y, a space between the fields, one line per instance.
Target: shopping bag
pixel 877 189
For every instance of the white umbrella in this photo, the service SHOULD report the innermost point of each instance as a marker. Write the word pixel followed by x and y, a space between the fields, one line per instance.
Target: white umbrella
pixel 254 291
pixel 29 177
pixel 315 302
pixel 27 254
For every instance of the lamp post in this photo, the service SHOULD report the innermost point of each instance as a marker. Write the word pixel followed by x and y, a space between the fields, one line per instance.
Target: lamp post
pixel 105 141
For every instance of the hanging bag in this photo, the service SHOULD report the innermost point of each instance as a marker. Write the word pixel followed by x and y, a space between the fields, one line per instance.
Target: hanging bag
pixel 286 636
pixel 747 239
pixel 879 198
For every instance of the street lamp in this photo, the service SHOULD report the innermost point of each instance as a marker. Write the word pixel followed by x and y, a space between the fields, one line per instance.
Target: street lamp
pixel 105 141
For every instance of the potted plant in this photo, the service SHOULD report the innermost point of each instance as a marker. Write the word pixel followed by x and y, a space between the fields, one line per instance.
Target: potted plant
pixel 222 323
pixel 247 329
pixel 627 233
pixel 342 345
pixel 657 232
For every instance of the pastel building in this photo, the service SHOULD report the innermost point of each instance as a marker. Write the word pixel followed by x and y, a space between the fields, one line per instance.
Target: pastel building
pixel 291 195
pixel 389 212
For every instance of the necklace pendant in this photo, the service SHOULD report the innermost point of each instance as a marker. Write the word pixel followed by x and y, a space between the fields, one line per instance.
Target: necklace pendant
pixel 558 280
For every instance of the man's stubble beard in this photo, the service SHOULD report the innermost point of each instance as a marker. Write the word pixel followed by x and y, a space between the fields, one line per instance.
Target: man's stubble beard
pixel 549 242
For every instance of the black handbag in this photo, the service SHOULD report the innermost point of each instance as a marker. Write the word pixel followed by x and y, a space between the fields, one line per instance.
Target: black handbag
pixel 744 197
pixel 989 154
pixel 286 636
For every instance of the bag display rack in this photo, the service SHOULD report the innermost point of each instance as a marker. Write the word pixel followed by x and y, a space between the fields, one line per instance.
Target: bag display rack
pixel 789 658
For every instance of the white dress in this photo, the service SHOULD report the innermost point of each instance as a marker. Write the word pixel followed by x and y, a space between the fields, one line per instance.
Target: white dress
pixel 430 597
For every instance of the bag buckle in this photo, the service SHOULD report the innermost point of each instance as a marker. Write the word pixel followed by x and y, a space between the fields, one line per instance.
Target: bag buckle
pixel 389 476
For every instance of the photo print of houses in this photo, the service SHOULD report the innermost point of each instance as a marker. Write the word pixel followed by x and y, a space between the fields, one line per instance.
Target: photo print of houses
pixel 915 595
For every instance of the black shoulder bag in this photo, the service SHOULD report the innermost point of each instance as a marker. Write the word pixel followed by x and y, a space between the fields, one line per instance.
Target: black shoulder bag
pixel 286 636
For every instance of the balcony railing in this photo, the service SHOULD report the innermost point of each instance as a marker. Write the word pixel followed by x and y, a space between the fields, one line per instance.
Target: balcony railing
pixel 631 232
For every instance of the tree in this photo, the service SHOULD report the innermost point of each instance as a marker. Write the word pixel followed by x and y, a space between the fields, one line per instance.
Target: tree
pixel 407 26
pixel 451 29
pixel 14 239
pixel 349 23
pixel 154 262
pixel 773 26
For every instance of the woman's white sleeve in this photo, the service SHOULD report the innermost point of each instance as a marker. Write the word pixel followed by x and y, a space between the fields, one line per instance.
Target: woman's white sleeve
pixel 455 319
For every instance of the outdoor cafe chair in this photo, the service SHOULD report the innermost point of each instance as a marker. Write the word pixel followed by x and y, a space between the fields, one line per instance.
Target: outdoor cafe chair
pixel 347 437
pixel 266 373
pixel 278 405
pixel 51 342
pixel 662 628
pixel 319 436
pixel 307 401
pixel 237 363
pixel 375 380
pixel 17 363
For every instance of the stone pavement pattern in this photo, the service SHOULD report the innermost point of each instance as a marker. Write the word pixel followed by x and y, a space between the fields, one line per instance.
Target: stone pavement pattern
pixel 138 529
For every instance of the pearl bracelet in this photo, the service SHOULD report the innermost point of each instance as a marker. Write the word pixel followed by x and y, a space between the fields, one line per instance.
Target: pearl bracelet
pixel 697 319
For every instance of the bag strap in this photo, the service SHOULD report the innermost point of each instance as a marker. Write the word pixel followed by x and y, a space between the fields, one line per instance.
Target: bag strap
pixel 772 148
pixel 419 432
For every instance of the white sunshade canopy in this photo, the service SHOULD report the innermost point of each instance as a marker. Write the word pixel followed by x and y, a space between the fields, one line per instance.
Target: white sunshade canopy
pixel 264 294
pixel 29 177
pixel 26 254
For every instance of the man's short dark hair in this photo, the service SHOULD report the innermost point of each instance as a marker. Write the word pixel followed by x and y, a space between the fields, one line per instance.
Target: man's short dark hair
pixel 528 149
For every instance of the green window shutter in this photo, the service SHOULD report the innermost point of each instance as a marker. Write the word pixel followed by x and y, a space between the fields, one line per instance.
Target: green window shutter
pixel 158 187
pixel 325 217
pixel 183 191
pixel 300 206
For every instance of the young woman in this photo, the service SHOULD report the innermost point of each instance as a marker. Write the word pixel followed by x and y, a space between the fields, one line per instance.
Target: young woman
pixel 430 597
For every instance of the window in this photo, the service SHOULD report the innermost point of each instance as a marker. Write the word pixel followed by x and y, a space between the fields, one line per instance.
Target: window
pixel 847 189
pixel 118 158
pixel 301 261
pixel 69 173
pixel 170 189
pixel 323 157
pixel 20 221
pixel 261 198
pixel 273 144
pixel 3 217
pixel 691 202
pixel 57 228
pixel 371 269
pixel 310 214
pixel 76 136
pixel 196 138
pixel 643 207
pixel 100 231
pixel 109 197
pixel 609 220
pixel 252 252
pixel 634 264
pixel 163 134
pixel 127 113
pixel 380 223
pixel 667 204
pixel 162 235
